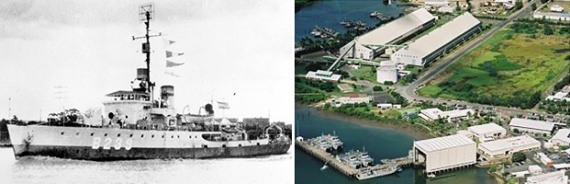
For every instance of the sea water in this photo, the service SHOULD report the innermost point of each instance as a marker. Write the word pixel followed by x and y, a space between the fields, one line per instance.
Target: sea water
pixel 380 143
pixel 267 169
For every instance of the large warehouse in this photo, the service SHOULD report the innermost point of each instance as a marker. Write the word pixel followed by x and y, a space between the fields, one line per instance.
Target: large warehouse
pixel 531 126
pixel 442 153
pixel 391 33
pixel 505 147
pixel 437 42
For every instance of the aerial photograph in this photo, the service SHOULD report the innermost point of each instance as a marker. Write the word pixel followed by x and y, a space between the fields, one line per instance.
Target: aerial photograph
pixel 432 91
pixel 146 92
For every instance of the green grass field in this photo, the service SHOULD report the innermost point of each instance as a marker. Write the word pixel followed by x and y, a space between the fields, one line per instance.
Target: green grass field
pixel 506 66
pixel 365 72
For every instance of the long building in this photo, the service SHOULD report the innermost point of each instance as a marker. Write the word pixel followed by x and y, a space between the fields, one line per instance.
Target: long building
pixel 502 148
pixel 433 114
pixel 443 153
pixel 531 126
pixel 556 177
pixel 434 44
pixel 391 33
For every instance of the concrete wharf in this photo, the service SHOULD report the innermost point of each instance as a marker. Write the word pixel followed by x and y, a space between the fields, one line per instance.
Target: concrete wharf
pixel 345 169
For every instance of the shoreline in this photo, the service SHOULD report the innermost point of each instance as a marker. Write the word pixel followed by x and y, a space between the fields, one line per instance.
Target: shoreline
pixel 411 130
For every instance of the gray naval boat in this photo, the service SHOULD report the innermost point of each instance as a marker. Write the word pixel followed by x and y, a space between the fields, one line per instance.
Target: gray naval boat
pixel 135 126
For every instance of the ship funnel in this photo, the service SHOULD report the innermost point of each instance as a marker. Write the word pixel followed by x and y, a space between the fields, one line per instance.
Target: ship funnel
pixel 167 95
pixel 209 108
pixel 142 73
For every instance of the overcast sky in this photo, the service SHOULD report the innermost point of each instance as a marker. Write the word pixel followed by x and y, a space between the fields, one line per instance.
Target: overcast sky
pixel 241 47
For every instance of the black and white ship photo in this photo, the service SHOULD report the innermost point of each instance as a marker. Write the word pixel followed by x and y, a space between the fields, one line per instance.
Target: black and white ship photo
pixel 196 91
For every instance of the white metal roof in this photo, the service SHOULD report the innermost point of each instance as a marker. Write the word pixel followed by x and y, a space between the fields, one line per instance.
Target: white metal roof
pixel 333 77
pixel 389 32
pixel 442 143
pixel 551 177
pixel 435 113
pixel 532 124
pixel 509 143
pixel 438 38
pixel 486 128
pixel 562 135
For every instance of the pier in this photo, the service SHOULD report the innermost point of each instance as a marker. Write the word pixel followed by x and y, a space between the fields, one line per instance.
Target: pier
pixel 345 169
pixel 326 158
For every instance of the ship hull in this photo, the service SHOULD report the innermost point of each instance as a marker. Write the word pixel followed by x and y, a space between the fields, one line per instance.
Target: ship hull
pixel 92 144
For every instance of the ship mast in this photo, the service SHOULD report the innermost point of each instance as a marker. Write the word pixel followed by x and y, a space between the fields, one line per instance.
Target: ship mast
pixel 146 14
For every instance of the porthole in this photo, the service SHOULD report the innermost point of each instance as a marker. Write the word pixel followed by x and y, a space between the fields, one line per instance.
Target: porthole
pixel 152 136
pixel 239 145
pixel 61 133
pixel 190 137
pixel 92 134
pixel 77 133
pixel 131 135
pixel 172 136
pixel 205 146
pixel 223 145
pixel 258 144
pixel 178 136
pixel 118 135
pixel 162 136
pixel 142 135
pixel 105 135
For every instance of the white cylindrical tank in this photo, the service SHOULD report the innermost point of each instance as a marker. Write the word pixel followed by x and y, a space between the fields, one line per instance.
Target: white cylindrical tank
pixel 387 72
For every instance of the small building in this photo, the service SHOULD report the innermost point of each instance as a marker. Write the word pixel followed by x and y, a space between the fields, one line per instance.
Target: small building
pixel 531 126
pixel 443 153
pixel 350 100
pixel 436 2
pixel 488 132
pixel 433 114
pixel 323 75
pixel 554 16
pixel 502 148
pixel 556 8
pixel 534 169
pixel 559 96
pixel 387 71
pixel 556 177
pixel 561 138
pixel 544 159
pixel 345 88
pixel 384 106
pixel 561 166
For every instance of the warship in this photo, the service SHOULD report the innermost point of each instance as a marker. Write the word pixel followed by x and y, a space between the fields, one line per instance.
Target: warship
pixel 137 126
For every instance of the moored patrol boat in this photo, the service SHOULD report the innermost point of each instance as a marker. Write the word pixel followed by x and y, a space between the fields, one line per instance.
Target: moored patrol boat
pixel 136 126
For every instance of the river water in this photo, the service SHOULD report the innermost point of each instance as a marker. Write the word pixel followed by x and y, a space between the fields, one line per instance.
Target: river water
pixel 379 142
pixel 328 13
pixel 269 169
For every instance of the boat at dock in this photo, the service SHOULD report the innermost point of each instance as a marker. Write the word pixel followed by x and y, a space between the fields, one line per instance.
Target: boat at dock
pixel 327 142
pixel 356 159
pixel 368 173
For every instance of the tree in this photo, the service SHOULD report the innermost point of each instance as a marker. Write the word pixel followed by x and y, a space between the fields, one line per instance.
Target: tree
pixel 388 82
pixel 518 157
pixel 377 88
pixel 516 131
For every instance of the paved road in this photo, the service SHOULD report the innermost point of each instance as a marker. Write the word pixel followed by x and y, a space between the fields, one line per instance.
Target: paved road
pixel 409 91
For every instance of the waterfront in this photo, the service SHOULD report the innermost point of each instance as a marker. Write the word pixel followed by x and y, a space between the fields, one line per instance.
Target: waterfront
pixel 379 142
pixel 328 13
pixel 269 169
